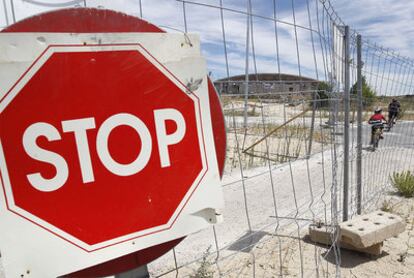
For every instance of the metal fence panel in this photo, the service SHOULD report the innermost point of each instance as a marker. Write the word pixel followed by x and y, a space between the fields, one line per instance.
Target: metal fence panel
pixel 294 151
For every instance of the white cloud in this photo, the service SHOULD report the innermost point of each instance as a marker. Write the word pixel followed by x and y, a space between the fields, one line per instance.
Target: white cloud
pixel 388 22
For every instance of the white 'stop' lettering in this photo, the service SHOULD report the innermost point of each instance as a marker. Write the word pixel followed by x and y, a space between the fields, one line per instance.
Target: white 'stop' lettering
pixel 79 127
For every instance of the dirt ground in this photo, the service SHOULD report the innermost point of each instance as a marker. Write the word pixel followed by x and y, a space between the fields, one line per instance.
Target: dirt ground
pixel 396 260
pixel 297 256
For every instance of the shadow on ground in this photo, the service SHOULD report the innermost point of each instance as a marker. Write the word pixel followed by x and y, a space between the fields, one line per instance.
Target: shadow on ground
pixel 246 242
pixel 349 258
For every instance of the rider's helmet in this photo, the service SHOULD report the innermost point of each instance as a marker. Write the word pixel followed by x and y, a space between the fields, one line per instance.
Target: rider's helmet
pixel 394 100
pixel 378 110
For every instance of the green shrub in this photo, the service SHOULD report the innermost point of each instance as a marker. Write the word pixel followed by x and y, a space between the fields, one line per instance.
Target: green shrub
pixel 324 89
pixel 368 94
pixel 404 183
pixel 387 206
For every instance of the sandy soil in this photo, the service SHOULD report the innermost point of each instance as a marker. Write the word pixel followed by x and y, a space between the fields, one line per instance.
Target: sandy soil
pixel 397 259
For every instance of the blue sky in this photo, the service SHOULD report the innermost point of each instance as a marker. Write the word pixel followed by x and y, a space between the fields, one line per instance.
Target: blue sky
pixel 387 22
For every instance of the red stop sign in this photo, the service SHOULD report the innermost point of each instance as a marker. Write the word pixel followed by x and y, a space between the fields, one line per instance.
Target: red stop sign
pixel 102 132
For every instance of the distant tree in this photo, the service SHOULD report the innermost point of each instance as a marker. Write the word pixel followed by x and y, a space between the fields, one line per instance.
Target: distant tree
pixel 368 94
pixel 323 91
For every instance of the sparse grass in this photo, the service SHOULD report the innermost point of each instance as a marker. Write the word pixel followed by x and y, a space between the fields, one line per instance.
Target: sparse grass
pixel 204 270
pixel 321 137
pixel 225 100
pixel 283 144
pixel 320 113
pixel 387 206
pixel 291 130
pixel 407 115
pixel 240 113
pixel 404 183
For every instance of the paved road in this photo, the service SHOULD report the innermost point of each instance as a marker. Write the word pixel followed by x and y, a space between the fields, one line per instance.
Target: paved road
pixel 401 135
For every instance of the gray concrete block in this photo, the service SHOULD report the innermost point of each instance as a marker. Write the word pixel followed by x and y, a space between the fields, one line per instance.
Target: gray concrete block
pixel 323 235
pixel 320 234
pixel 367 230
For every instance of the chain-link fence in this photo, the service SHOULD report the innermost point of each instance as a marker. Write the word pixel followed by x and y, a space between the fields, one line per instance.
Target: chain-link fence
pixel 298 142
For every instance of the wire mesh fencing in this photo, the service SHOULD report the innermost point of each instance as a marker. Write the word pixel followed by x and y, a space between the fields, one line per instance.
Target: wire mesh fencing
pixel 295 144
pixel 387 84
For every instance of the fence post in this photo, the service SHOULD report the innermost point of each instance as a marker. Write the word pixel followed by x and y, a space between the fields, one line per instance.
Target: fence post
pixel 359 130
pixel 312 127
pixel 246 77
pixel 140 9
pixel 6 16
pixel 13 11
pixel 346 125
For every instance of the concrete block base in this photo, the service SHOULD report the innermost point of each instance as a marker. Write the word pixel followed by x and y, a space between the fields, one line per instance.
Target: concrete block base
pixel 364 233
pixel 322 235
pixel 366 230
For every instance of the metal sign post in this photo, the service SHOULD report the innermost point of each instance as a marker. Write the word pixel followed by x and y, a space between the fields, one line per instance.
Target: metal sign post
pixel 141 272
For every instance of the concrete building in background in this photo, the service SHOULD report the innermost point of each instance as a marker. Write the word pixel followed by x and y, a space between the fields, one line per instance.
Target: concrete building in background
pixel 266 83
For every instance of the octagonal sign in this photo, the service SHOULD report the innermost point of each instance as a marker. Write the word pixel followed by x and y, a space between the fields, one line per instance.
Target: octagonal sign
pixel 100 144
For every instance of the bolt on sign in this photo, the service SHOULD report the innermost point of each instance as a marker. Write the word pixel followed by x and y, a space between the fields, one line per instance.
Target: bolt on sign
pixel 106 147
